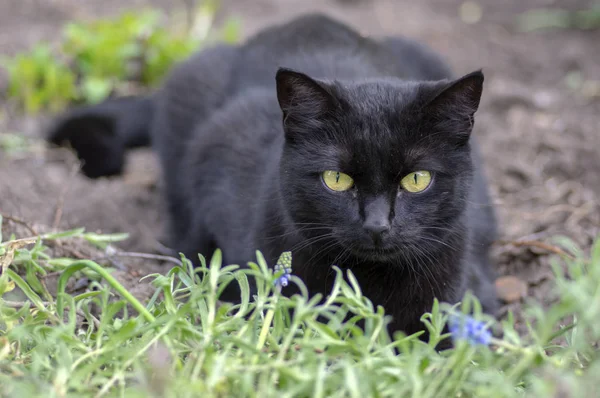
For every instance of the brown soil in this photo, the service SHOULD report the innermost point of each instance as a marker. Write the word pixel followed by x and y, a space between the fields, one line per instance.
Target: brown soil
pixel 538 133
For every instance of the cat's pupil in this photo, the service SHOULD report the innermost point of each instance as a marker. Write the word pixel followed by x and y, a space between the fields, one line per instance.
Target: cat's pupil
pixel 415 177
pixel 337 177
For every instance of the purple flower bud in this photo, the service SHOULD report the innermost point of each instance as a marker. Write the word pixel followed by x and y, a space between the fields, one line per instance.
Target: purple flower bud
pixel 464 327
pixel 283 280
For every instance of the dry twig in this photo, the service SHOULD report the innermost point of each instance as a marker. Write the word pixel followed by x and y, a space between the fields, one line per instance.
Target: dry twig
pixel 19 221
pixel 534 243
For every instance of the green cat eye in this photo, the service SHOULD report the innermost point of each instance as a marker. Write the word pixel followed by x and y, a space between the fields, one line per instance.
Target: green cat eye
pixel 337 181
pixel 417 181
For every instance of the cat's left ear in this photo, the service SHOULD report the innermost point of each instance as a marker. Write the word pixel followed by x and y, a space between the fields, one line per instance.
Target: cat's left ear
pixel 302 98
pixel 453 107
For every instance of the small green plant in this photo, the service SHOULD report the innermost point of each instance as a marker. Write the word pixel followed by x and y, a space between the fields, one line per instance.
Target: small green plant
pixel 558 18
pixel 38 80
pixel 105 57
pixel 15 144
pixel 183 343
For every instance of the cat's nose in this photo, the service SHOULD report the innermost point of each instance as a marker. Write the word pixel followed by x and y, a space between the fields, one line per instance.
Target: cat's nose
pixel 377 218
pixel 376 228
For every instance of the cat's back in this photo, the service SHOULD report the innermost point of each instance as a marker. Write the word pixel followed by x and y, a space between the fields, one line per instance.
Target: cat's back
pixel 315 44
pixel 309 32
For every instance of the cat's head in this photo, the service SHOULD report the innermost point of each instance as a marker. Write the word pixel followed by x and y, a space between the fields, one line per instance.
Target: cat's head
pixel 380 168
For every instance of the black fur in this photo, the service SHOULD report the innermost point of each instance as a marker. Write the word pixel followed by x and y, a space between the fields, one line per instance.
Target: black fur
pixel 108 130
pixel 244 133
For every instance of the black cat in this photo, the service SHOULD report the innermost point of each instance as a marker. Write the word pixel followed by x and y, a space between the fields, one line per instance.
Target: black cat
pixel 359 156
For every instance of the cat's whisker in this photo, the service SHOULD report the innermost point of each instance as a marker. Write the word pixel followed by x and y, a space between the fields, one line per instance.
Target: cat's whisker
pixel 432 239
pixel 323 250
pixel 450 230
pixel 425 265
pixel 411 267
pixel 295 232
pixel 310 242
pixel 341 258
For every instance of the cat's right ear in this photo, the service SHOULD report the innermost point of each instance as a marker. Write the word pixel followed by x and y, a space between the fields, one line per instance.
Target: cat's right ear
pixel 302 98
pixel 453 107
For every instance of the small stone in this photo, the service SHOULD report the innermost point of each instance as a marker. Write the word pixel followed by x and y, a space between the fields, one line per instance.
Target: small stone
pixel 470 12
pixel 510 288
pixel 545 99
pixel 591 89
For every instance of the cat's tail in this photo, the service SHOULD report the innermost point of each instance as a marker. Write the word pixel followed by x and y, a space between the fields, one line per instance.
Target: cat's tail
pixel 101 134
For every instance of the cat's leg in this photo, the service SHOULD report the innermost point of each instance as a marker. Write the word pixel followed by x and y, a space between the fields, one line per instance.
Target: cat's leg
pixel 481 282
pixel 201 240
pixel 483 231
pixel 189 96
pixel 198 241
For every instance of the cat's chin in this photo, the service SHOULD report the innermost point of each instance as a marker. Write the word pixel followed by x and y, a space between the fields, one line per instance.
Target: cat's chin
pixel 376 254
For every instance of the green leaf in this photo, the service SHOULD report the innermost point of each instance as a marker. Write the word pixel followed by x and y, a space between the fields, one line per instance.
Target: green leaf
pixel 31 295
pixel 102 240
pixel 64 234
pixel 231 31
pixel 96 89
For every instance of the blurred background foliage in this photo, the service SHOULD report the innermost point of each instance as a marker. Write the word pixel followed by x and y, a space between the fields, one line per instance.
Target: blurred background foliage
pixel 133 51
pixel 97 59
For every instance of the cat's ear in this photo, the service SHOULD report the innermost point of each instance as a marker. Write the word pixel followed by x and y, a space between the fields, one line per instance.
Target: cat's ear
pixel 462 95
pixel 302 97
pixel 453 107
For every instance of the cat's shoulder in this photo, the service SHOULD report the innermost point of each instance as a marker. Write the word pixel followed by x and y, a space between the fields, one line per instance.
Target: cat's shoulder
pixel 245 125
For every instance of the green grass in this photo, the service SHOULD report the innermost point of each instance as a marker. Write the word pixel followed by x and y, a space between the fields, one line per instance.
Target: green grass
pixel 14 144
pixel 182 343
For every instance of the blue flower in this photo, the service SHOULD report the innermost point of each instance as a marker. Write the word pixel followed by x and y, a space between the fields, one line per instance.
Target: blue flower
pixel 464 327
pixel 282 281
pixel 284 263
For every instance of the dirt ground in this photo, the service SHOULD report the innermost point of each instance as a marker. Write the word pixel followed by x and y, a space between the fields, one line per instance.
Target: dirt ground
pixel 538 123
